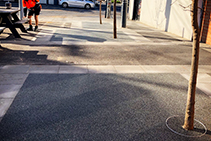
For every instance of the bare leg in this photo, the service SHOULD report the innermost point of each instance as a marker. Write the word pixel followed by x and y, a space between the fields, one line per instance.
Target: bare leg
pixel 30 24
pixel 36 20
pixel 30 21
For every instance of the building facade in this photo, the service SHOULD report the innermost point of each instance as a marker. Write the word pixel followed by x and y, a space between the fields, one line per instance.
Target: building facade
pixel 172 16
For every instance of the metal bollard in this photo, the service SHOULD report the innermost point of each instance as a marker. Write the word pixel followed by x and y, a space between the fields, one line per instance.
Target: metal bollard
pixel 124 12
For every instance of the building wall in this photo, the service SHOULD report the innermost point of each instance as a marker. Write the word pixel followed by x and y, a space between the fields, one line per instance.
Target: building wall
pixel 168 15
pixel 206 23
pixel 131 8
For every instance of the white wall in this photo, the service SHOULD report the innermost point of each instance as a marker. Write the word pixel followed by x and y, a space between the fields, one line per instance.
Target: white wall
pixel 168 15
pixel 131 8
pixel 180 19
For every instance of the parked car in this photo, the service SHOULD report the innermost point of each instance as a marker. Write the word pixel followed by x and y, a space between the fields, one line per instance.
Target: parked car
pixel 96 2
pixel 77 3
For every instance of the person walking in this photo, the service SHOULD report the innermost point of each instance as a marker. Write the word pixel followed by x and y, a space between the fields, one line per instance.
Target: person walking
pixel 34 8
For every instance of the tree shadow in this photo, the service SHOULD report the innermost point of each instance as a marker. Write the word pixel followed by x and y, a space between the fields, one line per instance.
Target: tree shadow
pixel 162 38
pixel 78 37
pixel 9 56
pixel 76 104
pixel 202 131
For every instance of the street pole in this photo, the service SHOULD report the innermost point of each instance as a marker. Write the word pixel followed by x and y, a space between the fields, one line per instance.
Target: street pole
pixel 124 12
pixel 106 9
pixel 21 8
pixel 114 33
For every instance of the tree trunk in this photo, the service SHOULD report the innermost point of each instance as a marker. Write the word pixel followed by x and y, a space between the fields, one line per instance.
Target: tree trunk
pixel 114 33
pixel 100 12
pixel 189 114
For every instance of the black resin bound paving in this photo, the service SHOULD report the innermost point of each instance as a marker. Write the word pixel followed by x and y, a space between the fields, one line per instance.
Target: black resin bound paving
pixel 118 107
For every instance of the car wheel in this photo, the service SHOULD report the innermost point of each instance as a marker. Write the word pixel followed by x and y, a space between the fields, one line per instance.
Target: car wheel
pixel 65 5
pixel 87 6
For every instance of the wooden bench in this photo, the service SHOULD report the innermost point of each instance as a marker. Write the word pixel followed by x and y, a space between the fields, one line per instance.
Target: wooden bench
pixel 19 24
pixel 2 29
pixel 23 21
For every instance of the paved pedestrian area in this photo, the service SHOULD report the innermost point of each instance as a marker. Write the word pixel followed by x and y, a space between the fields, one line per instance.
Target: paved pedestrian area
pixel 113 102
pixel 100 107
pixel 73 81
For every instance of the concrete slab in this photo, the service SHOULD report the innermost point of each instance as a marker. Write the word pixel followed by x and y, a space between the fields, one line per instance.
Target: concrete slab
pixel 73 69
pixel 157 69
pixel 205 87
pixel 129 69
pixel 204 78
pixel 101 69
pixel 179 68
pixel 204 69
pixel 201 78
pixel 14 69
pixel 44 69
pixel 9 91
pixel 4 106
pixel 10 79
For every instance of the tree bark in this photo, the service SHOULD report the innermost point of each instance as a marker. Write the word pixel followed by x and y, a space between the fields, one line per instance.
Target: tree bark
pixel 189 114
pixel 114 33
pixel 100 12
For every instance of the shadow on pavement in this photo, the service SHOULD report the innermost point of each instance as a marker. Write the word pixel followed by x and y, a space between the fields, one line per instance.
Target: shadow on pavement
pixel 33 57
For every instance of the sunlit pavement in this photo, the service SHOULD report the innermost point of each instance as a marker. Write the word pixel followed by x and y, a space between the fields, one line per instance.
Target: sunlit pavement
pixel 72 44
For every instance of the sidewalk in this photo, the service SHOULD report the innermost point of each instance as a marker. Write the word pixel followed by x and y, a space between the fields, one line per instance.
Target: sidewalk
pixel 73 81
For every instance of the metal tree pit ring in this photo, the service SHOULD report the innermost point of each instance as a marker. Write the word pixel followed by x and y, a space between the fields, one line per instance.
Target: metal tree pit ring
pixel 182 134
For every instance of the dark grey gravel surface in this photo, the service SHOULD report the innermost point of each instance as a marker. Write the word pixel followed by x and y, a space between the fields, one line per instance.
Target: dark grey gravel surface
pixel 118 107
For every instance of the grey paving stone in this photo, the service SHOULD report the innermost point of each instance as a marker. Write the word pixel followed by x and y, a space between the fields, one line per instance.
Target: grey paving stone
pixel 10 79
pixel 73 69
pixel 4 106
pixel 201 78
pixel 129 69
pixel 14 69
pixel 96 25
pixel 9 91
pixel 157 69
pixel 205 87
pixel 102 69
pixel 89 35
pixel 158 37
pixel 44 69
pixel 204 68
